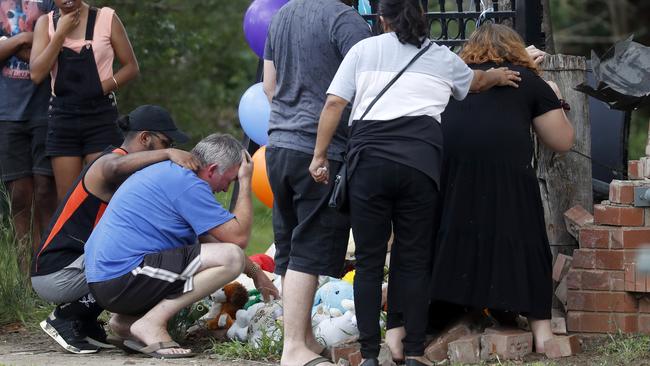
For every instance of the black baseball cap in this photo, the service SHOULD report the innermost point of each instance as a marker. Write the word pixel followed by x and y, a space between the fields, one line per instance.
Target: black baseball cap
pixel 155 118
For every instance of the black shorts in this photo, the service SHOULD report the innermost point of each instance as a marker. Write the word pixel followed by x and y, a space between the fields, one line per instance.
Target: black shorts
pixel 164 275
pixel 22 149
pixel 310 236
pixel 82 129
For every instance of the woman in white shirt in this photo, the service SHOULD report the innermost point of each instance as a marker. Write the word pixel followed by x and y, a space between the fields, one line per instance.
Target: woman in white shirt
pixel 394 155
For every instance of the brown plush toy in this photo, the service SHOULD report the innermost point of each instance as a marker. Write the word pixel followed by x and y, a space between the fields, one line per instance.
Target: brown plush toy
pixel 227 301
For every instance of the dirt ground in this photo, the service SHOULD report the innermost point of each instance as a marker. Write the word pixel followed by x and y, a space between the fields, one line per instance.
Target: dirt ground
pixel 29 347
pixel 26 347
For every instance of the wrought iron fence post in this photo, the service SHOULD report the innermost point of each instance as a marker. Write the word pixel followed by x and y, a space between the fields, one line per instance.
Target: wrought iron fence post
pixel 528 22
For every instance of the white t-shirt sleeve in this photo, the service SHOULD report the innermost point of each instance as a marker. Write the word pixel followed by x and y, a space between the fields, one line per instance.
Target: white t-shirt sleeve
pixel 461 76
pixel 344 84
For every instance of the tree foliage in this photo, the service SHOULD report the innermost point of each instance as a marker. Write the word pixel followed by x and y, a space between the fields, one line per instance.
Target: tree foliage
pixel 193 60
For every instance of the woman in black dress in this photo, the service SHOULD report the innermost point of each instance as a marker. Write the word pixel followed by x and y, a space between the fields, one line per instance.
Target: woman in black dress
pixel 492 250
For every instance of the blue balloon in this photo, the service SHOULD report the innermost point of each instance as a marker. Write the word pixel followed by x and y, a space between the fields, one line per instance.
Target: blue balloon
pixel 254 113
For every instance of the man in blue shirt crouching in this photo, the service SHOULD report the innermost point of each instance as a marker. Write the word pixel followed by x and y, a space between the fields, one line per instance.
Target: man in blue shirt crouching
pixel 142 262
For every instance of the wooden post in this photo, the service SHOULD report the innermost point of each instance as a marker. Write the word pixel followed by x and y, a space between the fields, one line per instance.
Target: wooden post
pixel 565 179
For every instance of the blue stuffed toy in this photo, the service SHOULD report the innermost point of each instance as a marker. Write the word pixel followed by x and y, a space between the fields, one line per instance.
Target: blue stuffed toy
pixel 330 295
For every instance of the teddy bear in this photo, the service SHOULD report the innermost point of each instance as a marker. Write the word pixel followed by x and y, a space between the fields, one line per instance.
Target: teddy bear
pixel 239 329
pixel 334 330
pixel 329 296
pixel 226 302
pixel 257 321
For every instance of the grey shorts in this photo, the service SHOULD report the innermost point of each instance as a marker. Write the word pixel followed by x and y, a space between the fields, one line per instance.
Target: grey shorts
pixel 63 286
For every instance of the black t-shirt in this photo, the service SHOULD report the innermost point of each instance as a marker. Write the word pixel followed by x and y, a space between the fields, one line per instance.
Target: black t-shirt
pixel 495 124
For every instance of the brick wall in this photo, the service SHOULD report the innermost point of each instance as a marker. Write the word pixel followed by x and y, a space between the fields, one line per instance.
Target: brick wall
pixel 606 291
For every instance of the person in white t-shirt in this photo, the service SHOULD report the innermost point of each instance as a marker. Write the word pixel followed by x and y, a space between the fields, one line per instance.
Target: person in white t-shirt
pixel 394 155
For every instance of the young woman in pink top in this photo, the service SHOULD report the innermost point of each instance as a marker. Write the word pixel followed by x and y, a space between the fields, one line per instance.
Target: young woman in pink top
pixel 76 46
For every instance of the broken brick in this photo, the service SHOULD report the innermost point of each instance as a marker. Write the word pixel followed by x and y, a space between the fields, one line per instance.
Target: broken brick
pixel 465 350
pixel 561 292
pixel 437 349
pixel 566 346
pixel 561 266
pixel 344 350
pixel 507 344
pixel 576 218
pixel 558 325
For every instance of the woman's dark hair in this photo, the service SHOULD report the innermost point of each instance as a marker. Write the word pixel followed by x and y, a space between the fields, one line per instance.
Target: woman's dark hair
pixel 406 18
pixel 123 123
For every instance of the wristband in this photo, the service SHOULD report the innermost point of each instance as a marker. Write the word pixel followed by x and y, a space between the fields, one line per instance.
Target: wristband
pixel 565 105
pixel 117 86
pixel 252 270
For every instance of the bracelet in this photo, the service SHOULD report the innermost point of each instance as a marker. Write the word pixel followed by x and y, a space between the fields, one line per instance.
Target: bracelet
pixel 252 270
pixel 117 86
pixel 565 105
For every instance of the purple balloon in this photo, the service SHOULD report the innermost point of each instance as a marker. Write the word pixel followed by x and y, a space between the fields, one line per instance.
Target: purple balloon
pixel 257 21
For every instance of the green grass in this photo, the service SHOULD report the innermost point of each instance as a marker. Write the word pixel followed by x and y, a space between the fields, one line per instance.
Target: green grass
pixel 625 349
pixel 262 233
pixel 269 350
pixel 18 303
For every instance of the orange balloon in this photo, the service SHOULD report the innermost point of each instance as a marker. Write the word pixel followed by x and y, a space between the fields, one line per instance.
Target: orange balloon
pixel 260 180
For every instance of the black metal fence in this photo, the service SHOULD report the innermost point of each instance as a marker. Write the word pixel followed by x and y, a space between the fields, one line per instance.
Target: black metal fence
pixel 452 22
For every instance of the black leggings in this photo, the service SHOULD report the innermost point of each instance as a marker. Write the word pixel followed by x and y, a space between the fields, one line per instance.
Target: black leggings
pixel 382 192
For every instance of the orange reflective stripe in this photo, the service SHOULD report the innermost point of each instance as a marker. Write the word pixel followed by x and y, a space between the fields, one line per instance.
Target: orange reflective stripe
pixel 72 204
pixel 100 213
pixel 119 151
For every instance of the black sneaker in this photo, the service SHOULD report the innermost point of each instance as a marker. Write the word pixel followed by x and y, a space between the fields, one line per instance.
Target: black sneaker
pixel 68 334
pixel 95 333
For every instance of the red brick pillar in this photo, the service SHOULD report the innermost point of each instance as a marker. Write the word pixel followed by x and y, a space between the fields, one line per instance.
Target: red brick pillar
pixel 606 293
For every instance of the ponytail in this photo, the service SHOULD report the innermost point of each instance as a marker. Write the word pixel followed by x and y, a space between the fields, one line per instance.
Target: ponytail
pixel 123 123
pixel 407 20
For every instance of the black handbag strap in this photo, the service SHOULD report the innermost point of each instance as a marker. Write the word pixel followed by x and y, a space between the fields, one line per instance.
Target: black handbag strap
pixel 422 51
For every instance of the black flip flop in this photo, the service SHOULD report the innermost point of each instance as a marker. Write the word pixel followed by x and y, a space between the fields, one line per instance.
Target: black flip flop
pixel 327 353
pixel 151 350
pixel 119 343
pixel 317 360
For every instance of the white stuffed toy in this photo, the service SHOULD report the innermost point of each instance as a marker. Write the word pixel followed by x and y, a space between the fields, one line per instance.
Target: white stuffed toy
pixel 239 330
pixel 333 330
pixel 266 322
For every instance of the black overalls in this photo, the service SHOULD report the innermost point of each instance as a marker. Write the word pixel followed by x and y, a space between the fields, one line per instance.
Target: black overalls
pixel 82 120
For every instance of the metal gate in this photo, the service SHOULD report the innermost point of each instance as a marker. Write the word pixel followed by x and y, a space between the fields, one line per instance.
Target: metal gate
pixel 452 22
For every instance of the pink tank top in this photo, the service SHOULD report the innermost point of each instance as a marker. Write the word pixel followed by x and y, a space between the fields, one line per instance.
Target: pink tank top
pixel 102 48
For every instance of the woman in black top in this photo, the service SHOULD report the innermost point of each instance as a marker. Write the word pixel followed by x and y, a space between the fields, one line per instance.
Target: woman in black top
pixel 492 249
